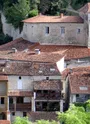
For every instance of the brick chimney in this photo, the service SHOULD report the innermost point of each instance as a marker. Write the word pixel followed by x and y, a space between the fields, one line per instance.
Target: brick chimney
pixel 61 15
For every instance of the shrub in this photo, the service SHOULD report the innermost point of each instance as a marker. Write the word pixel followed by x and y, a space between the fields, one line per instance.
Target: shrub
pixel 33 12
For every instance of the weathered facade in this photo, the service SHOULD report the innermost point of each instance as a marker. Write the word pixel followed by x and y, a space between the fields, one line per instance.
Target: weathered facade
pixel 36 32
pixel 31 74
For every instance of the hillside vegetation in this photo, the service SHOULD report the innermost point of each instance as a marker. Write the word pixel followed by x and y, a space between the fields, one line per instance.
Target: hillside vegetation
pixel 17 10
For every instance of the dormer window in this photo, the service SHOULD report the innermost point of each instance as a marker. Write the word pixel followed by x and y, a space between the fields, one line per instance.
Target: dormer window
pixel 20 77
pixel 83 88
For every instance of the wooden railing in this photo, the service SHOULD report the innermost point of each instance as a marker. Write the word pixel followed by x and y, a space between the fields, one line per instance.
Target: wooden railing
pixel 20 107
pixel 55 96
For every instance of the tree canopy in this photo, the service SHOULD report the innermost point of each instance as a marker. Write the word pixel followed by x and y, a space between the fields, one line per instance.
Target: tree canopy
pixel 17 10
pixel 79 114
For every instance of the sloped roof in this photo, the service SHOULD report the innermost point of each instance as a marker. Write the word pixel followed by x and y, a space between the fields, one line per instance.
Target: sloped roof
pixel 3 78
pixel 48 85
pixel 20 44
pixel 28 68
pixel 20 93
pixel 79 80
pixel 4 122
pixel 85 8
pixel 42 115
pixel 48 53
pixel 54 19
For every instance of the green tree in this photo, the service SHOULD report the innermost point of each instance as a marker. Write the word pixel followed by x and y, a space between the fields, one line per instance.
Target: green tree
pixel 46 122
pixel 21 120
pixel 17 12
pixel 75 115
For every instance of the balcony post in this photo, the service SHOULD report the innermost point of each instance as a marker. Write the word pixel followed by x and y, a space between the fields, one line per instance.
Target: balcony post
pixel 8 111
pixel 8 103
pixel 33 102
pixel 61 105
pixel 14 101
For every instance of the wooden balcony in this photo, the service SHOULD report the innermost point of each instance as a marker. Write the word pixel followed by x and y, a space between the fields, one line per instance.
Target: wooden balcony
pixel 20 107
pixel 48 96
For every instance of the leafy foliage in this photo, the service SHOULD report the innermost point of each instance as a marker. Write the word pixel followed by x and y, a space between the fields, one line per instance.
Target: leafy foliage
pixel 21 120
pixel 17 12
pixel 76 115
pixel 5 38
pixel 46 122
pixel 33 12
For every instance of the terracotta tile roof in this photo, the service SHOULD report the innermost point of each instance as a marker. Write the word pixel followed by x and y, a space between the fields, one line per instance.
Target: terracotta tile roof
pixel 42 115
pixel 70 52
pixel 54 19
pixel 4 122
pixel 49 53
pixel 79 80
pixel 28 68
pixel 85 8
pixel 3 78
pixel 32 56
pixel 20 44
pixel 20 93
pixel 48 85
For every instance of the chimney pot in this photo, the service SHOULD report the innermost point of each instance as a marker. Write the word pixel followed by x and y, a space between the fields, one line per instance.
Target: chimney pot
pixel 61 15
pixel 37 51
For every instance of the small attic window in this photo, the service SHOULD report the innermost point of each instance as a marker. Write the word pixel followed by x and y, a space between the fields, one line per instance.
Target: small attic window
pixel 20 77
pixel 52 69
pixel 83 88
pixel 40 71
pixel 47 78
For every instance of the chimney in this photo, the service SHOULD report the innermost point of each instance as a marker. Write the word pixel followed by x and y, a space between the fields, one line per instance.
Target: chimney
pixel 40 14
pixel 37 51
pixel 14 50
pixel 61 15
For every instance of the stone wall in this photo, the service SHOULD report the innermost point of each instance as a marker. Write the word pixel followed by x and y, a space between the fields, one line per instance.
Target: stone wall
pixel 9 29
pixel 36 33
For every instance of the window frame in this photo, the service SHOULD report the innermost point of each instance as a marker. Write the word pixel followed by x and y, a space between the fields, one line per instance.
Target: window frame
pixel 78 31
pixel 47 30
pixel 62 30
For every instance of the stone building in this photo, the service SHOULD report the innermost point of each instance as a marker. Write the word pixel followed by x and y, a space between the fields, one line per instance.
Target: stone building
pixel 61 30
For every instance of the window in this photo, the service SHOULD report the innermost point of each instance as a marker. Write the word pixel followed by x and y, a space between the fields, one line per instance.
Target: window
pixel 13 113
pixel 19 99
pixel 83 88
pixel 11 100
pixel 47 30
pixel 47 78
pixel 78 31
pixel 62 30
pixel 2 100
pixel 19 83
pixel 24 114
pixel 20 77
pixel 77 95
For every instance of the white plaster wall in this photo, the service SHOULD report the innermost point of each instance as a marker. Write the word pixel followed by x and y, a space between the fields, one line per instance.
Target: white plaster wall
pixel 17 113
pixel 27 81
pixel 9 29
